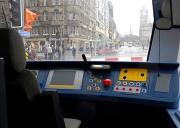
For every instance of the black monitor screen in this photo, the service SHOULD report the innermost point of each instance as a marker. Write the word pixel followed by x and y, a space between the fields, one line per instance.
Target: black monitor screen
pixel 63 77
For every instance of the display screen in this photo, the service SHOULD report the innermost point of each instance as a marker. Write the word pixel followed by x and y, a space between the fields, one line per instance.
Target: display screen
pixel 63 77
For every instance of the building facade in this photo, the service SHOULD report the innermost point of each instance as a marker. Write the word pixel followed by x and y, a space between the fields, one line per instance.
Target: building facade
pixel 83 24
pixel 145 29
pixel 65 23
pixel 103 23
pixel 113 34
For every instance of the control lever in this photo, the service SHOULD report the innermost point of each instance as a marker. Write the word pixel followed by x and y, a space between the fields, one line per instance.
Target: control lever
pixel 99 69
pixel 96 67
pixel 85 61
pixel 84 58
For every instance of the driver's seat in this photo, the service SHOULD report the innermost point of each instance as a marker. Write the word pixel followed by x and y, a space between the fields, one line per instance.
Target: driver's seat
pixel 27 105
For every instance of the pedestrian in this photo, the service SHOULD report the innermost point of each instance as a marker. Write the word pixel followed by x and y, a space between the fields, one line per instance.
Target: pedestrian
pixel 53 51
pixel 58 50
pixel 26 53
pixel 45 52
pixel 74 51
pixel 32 54
pixel 49 51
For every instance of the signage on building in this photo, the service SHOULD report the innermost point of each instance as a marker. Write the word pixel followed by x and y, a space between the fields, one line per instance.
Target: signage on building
pixel 24 33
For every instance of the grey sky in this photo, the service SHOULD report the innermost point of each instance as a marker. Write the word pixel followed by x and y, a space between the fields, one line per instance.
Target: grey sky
pixel 127 14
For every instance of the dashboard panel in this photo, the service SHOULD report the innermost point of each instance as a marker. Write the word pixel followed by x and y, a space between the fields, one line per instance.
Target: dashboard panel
pixel 145 84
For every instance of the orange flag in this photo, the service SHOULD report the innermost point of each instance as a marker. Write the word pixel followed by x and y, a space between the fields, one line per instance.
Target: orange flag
pixel 29 18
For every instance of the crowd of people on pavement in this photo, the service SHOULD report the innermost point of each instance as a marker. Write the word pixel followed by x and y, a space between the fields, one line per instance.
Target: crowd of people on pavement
pixel 50 52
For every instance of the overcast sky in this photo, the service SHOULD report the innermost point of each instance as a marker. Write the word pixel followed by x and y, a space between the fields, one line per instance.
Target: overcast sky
pixel 127 14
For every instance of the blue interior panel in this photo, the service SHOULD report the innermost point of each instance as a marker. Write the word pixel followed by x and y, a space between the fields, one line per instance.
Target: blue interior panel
pixel 143 92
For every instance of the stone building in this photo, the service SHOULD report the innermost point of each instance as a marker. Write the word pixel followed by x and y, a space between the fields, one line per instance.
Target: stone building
pixel 113 35
pixel 102 23
pixel 145 29
pixel 65 23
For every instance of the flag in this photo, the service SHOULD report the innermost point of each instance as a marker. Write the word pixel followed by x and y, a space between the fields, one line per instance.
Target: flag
pixel 29 18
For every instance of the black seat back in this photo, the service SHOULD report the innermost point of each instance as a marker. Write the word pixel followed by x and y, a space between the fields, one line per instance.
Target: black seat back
pixel 21 85
pixel 22 88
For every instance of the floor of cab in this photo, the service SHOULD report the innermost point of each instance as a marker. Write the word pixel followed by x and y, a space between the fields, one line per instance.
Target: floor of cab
pixel 115 115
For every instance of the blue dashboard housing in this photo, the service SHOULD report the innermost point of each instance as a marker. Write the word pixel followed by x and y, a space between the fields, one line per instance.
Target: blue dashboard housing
pixel 169 99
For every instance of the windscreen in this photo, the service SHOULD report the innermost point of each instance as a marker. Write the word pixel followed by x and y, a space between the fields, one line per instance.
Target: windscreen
pixel 63 30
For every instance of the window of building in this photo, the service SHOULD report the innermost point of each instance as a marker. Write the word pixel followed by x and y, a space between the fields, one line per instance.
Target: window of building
pixel 61 17
pixel 2 19
pixel 56 2
pixel 45 3
pixel 27 3
pixel 68 2
pixel 45 30
pixel 74 16
pixel 45 16
pixel 52 30
pixel 53 2
pixel 55 29
pixel 34 3
pixel 35 31
pixel 56 15
pixel 76 30
pixel 73 30
pixel 70 16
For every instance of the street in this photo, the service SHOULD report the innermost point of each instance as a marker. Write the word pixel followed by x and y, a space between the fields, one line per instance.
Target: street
pixel 124 53
pixel 132 51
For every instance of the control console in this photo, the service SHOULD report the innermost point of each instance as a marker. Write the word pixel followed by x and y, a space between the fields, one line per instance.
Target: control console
pixel 127 80
pixel 96 82
pixel 158 86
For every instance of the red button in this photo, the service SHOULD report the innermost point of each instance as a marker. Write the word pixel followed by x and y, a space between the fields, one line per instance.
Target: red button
pixel 107 82
pixel 130 89
pixel 137 90
pixel 123 89
pixel 117 88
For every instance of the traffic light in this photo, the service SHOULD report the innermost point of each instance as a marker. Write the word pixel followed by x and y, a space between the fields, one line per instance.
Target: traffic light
pixel 15 7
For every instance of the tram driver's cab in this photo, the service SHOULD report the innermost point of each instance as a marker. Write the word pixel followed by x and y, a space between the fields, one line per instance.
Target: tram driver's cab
pixel 49 82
